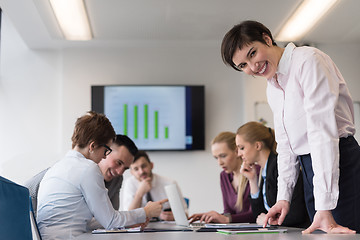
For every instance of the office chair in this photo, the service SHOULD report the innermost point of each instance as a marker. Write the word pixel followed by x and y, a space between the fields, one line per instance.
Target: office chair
pixel 15 212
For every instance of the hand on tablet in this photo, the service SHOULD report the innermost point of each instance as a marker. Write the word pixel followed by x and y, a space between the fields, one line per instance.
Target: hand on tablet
pixel 277 213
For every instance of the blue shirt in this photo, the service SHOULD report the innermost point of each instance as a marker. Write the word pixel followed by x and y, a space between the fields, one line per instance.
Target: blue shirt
pixel 256 195
pixel 263 174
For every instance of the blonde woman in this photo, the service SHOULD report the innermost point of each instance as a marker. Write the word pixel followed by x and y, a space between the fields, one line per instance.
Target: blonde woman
pixel 234 186
pixel 257 147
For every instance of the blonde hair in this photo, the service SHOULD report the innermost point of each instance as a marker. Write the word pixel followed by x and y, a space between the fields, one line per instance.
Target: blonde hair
pixel 257 132
pixel 229 139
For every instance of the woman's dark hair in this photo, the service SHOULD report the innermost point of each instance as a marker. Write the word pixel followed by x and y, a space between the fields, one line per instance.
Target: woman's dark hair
pixel 92 127
pixel 241 35
pixel 123 140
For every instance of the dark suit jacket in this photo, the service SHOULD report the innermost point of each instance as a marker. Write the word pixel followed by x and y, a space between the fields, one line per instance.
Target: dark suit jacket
pixel 297 216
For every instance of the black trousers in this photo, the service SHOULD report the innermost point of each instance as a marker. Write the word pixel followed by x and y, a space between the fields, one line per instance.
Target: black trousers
pixel 347 211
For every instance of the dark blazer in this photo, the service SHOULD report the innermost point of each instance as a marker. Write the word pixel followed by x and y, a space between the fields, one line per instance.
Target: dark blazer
pixel 297 216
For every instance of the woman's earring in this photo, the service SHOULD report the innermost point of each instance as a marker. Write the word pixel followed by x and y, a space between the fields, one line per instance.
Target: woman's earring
pixel 91 151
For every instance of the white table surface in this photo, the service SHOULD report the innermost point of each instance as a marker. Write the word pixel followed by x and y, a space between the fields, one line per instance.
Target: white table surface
pixel 292 234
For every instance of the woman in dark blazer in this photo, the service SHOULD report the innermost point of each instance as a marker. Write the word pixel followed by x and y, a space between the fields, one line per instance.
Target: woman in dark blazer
pixel 256 145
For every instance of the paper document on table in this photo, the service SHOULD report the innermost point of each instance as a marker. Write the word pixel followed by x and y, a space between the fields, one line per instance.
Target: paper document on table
pixel 232 225
pixel 116 230
pixel 252 231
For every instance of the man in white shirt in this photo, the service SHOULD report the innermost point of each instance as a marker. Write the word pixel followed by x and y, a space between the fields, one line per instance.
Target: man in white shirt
pixel 144 186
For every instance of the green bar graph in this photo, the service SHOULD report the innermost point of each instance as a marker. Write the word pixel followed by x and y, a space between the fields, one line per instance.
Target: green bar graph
pixel 154 115
pixel 136 122
pixel 146 121
pixel 166 132
pixel 156 124
pixel 125 119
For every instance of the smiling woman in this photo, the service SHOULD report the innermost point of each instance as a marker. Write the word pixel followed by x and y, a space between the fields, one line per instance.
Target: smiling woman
pixel 256 54
pixel 314 125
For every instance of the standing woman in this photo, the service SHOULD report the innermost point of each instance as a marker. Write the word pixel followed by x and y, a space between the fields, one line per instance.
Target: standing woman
pixel 234 186
pixel 256 145
pixel 73 190
pixel 314 125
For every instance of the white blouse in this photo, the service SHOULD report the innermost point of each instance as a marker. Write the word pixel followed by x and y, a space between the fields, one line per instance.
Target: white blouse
pixel 312 109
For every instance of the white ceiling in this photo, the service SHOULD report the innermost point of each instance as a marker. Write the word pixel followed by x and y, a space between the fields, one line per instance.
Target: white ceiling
pixel 157 21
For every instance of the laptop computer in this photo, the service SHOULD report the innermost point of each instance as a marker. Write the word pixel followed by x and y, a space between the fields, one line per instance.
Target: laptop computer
pixel 177 207
pixel 176 204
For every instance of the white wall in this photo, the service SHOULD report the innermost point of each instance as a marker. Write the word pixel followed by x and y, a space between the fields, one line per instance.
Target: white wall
pixel 43 92
pixel 346 57
pixel 30 86
pixel 52 88
pixel 163 64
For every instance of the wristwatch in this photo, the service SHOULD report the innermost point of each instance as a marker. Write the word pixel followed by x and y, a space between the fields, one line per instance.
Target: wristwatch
pixel 228 215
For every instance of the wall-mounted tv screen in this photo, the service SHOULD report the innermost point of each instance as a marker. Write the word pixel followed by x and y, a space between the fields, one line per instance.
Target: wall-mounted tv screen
pixel 155 117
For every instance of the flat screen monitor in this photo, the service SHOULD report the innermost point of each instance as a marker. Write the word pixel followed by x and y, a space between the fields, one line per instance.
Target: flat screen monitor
pixel 155 117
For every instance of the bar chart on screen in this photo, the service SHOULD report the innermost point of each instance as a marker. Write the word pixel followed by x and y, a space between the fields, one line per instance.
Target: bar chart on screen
pixel 149 116
pixel 144 121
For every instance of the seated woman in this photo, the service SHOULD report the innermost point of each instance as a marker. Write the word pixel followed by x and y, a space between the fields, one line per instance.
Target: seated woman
pixel 73 190
pixel 234 186
pixel 256 146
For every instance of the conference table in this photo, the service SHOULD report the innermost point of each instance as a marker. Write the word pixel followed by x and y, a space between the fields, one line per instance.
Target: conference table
pixel 291 234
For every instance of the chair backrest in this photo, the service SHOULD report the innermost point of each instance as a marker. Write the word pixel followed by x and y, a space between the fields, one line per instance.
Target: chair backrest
pixel 33 185
pixel 14 211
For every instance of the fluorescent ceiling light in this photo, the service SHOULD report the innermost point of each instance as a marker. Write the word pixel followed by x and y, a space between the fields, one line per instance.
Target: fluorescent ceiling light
pixel 303 19
pixel 72 18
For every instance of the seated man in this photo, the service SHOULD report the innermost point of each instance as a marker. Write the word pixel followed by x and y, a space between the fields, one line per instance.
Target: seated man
pixel 144 186
pixel 112 167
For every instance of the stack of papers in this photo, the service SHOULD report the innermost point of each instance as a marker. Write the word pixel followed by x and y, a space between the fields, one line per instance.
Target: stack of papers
pixel 253 231
pixel 232 225
pixel 116 230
